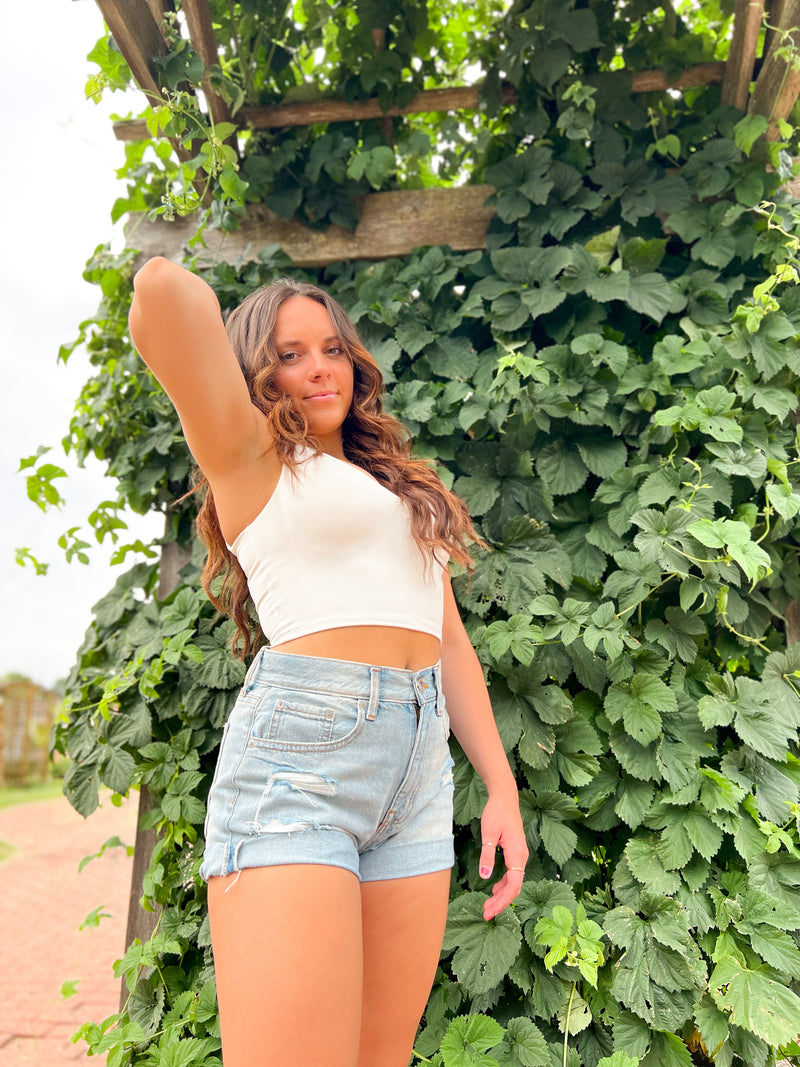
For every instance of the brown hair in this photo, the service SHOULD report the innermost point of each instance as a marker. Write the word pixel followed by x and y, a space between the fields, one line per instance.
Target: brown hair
pixel 372 440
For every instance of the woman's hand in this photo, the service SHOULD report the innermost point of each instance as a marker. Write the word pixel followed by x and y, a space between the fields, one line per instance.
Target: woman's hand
pixel 501 824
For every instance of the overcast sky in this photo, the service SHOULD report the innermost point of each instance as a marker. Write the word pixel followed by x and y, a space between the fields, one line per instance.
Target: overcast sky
pixel 57 185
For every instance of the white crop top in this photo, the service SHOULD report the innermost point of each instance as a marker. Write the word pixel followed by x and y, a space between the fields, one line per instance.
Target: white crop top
pixel 333 547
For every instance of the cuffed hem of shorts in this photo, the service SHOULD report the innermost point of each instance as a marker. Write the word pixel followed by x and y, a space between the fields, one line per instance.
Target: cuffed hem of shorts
pixel 320 846
pixel 408 860
pixel 274 848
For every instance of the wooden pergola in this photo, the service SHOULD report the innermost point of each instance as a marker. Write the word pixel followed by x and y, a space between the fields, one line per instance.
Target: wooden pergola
pixel 392 224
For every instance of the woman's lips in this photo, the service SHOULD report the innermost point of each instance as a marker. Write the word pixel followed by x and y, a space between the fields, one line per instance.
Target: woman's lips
pixel 322 396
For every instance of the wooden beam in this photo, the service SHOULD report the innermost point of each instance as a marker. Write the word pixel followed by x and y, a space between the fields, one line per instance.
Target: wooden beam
pixel 391 224
pixel 138 37
pixel 778 83
pixel 201 34
pixel 742 56
pixel 457 98
pixel 649 81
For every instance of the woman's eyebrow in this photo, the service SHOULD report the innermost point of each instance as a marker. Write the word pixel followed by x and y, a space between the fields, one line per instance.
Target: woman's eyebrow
pixel 334 337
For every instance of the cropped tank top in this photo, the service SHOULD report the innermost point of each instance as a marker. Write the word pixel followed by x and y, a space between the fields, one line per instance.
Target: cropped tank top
pixel 333 547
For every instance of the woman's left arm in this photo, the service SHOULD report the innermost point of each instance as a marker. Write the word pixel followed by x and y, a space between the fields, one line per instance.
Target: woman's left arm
pixel 473 724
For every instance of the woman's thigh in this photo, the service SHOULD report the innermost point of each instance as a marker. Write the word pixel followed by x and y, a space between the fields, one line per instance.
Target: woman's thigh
pixel 288 961
pixel 402 927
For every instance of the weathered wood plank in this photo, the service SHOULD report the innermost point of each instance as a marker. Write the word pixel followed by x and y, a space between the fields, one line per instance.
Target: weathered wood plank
pixel 778 83
pixel 458 98
pixel 391 224
pixel 742 56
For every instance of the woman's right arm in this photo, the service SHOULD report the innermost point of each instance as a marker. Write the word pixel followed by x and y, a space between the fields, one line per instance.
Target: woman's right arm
pixel 177 328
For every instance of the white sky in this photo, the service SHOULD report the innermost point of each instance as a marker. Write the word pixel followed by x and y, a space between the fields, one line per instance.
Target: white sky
pixel 57 186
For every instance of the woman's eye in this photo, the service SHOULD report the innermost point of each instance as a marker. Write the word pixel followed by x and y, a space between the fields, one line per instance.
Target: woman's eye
pixel 287 357
pixel 336 350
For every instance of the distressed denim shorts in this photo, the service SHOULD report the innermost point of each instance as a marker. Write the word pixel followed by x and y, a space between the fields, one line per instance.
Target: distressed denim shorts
pixel 328 761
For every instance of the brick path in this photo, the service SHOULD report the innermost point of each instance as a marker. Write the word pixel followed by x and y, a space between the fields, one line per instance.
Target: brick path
pixel 43 901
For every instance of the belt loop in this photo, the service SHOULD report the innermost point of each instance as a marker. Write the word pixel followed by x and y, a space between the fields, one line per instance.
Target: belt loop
pixel 374 692
pixel 251 670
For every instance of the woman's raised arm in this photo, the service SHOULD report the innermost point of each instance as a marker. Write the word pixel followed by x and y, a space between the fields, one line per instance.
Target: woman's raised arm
pixel 177 328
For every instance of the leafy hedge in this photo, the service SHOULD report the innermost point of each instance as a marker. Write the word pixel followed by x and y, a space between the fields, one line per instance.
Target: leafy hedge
pixel 612 388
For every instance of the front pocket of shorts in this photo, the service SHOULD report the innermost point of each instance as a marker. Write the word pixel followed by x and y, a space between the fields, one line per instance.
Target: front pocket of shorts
pixel 306 721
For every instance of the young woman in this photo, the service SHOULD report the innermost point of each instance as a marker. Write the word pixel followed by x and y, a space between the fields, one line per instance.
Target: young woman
pixel 329 830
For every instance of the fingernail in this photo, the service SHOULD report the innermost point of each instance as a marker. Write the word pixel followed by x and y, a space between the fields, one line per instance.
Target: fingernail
pixel 484 872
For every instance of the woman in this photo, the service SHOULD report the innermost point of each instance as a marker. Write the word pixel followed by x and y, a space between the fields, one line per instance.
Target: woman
pixel 329 832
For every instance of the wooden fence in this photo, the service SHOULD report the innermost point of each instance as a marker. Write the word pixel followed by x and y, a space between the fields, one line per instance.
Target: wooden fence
pixel 26 715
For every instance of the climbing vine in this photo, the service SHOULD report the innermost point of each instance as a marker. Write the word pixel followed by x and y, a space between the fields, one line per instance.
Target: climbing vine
pixel 612 387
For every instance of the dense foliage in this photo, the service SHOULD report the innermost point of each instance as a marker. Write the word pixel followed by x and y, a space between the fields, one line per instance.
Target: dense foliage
pixel 611 387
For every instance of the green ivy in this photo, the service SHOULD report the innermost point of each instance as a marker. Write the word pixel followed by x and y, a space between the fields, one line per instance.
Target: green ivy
pixel 612 388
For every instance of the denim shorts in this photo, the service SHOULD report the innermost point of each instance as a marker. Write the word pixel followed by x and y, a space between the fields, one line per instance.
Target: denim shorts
pixel 328 761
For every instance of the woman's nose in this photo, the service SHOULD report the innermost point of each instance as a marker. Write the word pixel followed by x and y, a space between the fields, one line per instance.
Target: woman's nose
pixel 318 366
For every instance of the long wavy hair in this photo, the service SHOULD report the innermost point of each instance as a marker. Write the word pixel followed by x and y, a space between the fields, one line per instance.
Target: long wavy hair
pixel 373 440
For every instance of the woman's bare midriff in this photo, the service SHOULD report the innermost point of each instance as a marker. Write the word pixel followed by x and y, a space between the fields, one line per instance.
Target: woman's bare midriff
pixel 384 646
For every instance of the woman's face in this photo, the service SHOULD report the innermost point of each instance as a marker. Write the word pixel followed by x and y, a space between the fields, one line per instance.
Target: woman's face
pixel 314 368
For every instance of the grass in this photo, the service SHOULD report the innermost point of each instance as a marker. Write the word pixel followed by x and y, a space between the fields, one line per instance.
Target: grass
pixel 22 794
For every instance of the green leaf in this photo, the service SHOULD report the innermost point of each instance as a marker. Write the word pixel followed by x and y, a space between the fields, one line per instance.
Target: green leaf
pixel 603 456
pixel 676 634
pixel 479 492
pixel 755 1001
pixel 639 703
pixel 561 469
pixel 635 798
pixel 747 131
pixel 484 950
pixel 632 1035
pixel 651 295
pixel 759 722
pixel 558 839
pixel 619 1059
pixel 712 1024
pixel 467 1037
pixel 667 1050
pixel 523 1045
pixel 647 868
pixel 775 947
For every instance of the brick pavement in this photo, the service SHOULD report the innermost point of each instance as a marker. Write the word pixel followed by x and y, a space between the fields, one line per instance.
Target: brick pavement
pixel 43 901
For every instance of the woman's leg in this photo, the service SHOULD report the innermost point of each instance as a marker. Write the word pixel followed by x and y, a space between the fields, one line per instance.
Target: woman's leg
pixel 403 926
pixel 288 961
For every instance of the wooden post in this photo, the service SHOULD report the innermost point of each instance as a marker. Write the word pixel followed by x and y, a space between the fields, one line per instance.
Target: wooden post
pixel 742 55
pixel 778 83
pixel 142 923
pixel 774 14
